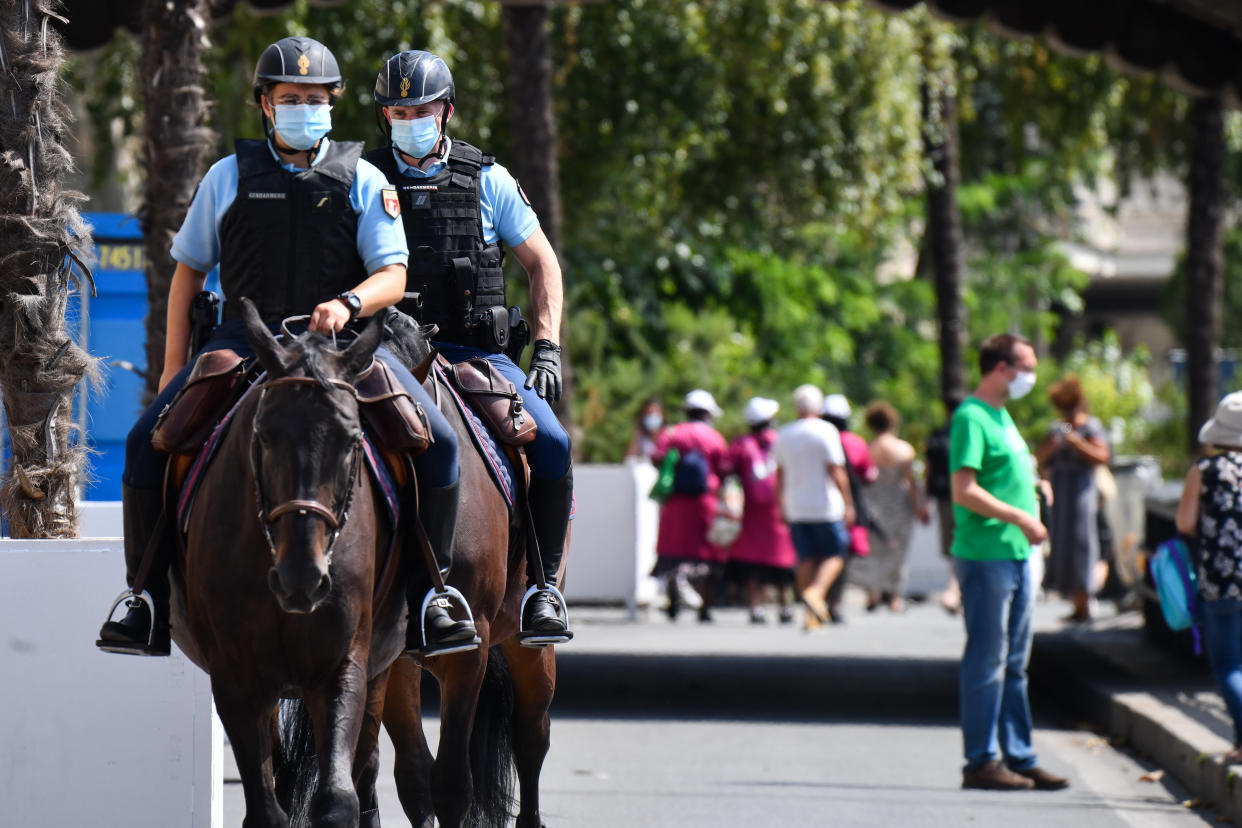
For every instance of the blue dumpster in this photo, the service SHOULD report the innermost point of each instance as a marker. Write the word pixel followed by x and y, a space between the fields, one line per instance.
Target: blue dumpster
pixel 112 328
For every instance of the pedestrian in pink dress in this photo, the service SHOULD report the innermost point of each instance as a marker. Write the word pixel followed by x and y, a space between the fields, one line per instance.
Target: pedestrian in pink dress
pixel 763 554
pixel 682 549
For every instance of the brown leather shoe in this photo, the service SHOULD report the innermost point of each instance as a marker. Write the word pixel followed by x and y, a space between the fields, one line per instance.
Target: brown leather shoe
pixel 994 776
pixel 1043 780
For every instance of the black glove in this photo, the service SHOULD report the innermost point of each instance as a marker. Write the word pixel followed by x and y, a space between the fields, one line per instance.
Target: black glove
pixel 545 370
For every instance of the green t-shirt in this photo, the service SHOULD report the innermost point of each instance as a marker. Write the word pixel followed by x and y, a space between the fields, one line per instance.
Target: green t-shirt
pixel 985 439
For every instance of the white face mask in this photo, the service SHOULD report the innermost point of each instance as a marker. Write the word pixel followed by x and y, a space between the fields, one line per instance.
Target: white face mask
pixel 652 422
pixel 1021 385
pixel 416 137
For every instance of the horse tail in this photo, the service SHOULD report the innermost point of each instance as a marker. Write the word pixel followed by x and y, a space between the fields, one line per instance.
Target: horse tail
pixel 491 748
pixel 294 761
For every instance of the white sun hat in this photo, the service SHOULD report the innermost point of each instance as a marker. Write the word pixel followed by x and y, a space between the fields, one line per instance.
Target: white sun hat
pixel 760 410
pixel 1225 427
pixel 700 400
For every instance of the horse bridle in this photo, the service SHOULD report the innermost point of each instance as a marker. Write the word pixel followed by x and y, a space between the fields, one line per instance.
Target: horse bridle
pixel 334 518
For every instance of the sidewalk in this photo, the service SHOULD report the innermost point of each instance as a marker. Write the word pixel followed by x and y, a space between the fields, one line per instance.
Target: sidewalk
pixel 1158 702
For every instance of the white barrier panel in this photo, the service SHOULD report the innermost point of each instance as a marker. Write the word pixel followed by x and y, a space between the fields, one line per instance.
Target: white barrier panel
pixel 100 519
pixel 613 542
pixel 91 738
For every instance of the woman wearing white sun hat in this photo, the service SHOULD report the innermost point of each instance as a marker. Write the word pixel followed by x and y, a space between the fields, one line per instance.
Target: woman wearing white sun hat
pixel 763 553
pixel 1211 512
pixel 683 551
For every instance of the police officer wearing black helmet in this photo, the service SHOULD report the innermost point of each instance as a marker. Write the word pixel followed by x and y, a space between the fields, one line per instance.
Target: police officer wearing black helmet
pixel 298 224
pixel 456 266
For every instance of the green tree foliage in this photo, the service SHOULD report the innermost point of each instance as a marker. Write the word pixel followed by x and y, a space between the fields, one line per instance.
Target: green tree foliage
pixel 742 182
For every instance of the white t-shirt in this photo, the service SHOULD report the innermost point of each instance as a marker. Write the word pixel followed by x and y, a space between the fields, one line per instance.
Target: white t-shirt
pixel 804 450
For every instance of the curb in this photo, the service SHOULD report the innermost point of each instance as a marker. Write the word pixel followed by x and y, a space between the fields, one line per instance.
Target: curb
pixel 1082 682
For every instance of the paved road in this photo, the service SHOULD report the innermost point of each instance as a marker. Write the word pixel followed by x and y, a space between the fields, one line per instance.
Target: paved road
pixel 732 724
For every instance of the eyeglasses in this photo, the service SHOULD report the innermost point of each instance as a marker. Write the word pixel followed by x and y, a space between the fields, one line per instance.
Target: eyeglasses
pixel 294 100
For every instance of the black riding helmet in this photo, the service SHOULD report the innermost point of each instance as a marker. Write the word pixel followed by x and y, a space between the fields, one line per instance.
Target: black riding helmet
pixel 296 60
pixel 412 78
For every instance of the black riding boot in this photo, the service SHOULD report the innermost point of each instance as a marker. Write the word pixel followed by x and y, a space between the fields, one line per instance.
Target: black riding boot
pixel 140 512
pixel 438 513
pixel 550 504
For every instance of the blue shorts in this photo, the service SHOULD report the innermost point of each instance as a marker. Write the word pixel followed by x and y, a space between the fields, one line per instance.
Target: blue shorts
pixel 820 541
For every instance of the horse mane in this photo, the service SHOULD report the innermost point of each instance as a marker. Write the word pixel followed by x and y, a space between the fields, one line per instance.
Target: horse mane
pixel 309 351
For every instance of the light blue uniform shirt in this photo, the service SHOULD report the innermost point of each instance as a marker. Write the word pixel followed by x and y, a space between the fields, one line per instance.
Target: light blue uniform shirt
pixel 504 210
pixel 381 238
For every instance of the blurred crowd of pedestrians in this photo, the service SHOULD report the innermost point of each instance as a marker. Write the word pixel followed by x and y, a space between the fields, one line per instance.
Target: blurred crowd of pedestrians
pixel 789 513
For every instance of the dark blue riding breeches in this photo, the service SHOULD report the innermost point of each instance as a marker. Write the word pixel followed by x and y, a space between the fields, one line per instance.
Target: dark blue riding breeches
pixel 144 466
pixel 548 453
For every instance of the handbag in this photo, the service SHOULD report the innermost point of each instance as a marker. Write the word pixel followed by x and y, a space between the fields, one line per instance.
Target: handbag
pixel 664 481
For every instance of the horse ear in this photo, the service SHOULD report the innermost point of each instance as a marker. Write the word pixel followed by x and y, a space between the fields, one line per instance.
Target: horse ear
pixel 423 368
pixel 429 331
pixel 358 356
pixel 270 352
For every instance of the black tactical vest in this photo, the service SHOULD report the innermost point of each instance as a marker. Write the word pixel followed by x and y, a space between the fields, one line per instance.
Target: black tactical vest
pixel 460 279
pixel 289 240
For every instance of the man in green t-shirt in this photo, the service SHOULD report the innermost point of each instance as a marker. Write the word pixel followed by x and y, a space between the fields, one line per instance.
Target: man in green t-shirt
pixel 997 521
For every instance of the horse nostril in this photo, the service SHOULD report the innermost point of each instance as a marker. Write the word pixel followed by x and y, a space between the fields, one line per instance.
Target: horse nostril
pixel 274 583
pixel 325 586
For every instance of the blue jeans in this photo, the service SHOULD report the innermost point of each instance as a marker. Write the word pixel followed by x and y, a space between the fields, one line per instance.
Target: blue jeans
pixel 1222 632
pixel 998 600
pixel 548 453
pixel 144 466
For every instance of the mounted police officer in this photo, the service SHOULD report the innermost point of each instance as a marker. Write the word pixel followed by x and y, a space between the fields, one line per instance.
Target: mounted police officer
pixel 298 224
pixel 460 208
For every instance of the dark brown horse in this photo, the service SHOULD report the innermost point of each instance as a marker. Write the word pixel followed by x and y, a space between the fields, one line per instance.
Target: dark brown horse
pixel 275 593
pixel 469 781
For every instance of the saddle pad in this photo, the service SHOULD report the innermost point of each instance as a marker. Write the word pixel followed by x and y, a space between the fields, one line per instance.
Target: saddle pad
pixel 497 461
pixel 380 473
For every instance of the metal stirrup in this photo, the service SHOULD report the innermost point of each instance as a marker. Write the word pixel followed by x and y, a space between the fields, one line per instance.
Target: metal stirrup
pixel 432 594
pixel 540 638
pixel 143 597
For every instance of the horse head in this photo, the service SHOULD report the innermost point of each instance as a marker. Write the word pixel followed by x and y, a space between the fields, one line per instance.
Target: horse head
pixel 306 451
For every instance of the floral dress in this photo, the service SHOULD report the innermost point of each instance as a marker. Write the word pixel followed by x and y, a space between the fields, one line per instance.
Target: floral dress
pixel 1220 527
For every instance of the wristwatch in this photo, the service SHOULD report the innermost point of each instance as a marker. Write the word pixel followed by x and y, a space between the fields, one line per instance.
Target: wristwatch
pixel 351 301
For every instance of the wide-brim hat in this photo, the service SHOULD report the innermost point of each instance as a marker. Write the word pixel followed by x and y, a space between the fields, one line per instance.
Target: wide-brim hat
pixel 700 400
pixel 1225 427
pixel 760 410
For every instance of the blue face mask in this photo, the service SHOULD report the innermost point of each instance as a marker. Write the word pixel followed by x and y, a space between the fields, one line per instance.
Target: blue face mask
pixel 416 137
pixel 303 125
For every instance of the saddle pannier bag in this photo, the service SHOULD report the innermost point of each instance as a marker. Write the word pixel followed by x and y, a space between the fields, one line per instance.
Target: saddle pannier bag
pixel 392 416
pixel 185 424
pixel 495 399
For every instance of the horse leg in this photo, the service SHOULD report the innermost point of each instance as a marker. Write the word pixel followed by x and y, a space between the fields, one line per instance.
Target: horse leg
pixel 533 673
pixel 452 784
pixel 249 726
pixel 403 719
pixel 337 708
pixel 366 758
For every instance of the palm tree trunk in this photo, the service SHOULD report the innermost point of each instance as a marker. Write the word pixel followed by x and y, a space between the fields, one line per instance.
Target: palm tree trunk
pixel 944 232
pixel 534 125
pixel 174 39
pixel 40 234
pixel 1203 261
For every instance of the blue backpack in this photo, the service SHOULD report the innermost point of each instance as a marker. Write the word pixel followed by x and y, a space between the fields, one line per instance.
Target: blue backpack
pixel 691 473
pixel 1177 584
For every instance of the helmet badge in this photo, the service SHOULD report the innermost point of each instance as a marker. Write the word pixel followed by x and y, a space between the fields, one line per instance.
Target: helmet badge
pixel 405 87
pixel 303 64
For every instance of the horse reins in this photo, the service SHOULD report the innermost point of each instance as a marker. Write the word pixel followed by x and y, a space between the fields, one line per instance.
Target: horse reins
pixel 333 518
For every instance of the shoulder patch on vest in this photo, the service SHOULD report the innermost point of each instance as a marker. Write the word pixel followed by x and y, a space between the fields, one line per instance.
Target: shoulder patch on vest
pixel 392 205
